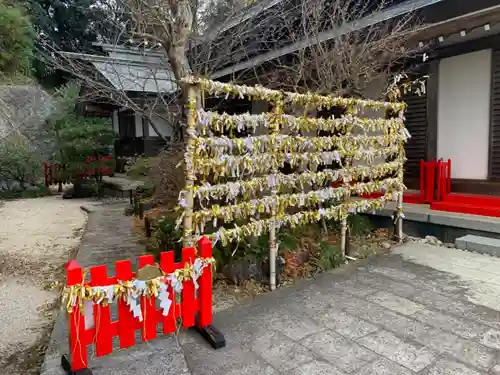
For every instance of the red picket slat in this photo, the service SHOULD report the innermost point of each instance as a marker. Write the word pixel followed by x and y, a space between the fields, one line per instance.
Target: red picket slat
pixel 126 321
pixel 102 314
pixel 188 302
pixel 77 347
pixel 148 308
pixel 448 177
pixel 435 180
pixel 422 181
pixel 167 266
pixel 205 285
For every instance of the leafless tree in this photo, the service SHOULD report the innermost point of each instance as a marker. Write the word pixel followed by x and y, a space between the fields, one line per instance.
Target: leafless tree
pixel 341 49
pixel 335 54
pixel 172 39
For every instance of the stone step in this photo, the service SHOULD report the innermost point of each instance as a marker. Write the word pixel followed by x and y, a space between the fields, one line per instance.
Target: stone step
pixel 483 245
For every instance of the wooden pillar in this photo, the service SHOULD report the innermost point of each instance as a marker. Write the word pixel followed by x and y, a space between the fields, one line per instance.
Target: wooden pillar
pixel 192 95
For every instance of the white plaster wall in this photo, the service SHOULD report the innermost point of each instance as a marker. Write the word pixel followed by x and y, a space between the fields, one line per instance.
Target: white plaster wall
pixel 464 113
pixel 138 125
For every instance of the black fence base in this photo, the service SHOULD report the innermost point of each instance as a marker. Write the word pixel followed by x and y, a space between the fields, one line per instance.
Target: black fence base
pixel 66 365
pixel 212 335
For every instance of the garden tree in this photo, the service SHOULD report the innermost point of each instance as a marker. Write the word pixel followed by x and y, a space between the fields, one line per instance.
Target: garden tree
pixel 20 161
pixel 66 99
pixel 76 138
pixel 16 41
pixel 72 25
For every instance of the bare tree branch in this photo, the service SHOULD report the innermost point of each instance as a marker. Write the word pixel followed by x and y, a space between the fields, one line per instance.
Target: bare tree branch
pixel 176 38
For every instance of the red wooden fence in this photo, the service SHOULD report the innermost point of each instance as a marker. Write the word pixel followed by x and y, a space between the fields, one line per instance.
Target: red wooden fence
pixel 192 302
pixel 55 173
pixel 435 180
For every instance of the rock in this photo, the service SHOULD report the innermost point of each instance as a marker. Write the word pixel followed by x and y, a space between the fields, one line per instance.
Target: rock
pixel 449 245
pixel 432 240
pixel 85 189
pixel 129 211
pixel 242 270
pixel 33 188
pixel 385 245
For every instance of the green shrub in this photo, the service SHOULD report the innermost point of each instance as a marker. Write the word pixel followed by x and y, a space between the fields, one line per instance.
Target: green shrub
pixel 329 256
pixel 140 169
pixel 19 160
pixel 360 225
pixel 33 192
pixel 17 39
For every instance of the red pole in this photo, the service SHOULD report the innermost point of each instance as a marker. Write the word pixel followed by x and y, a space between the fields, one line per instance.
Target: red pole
pixel 422 180
pixel 439 181
pixel 45 174
pixel 77 344
pixel 431 181
pixel 448 190
pixel 205 282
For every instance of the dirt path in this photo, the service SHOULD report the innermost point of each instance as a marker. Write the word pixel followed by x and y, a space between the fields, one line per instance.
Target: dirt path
pixel 37 236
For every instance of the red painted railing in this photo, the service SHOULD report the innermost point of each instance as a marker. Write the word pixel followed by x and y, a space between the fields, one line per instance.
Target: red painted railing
pixel 435 180
pixel 56 174
pixel 435 183
pixel 104 328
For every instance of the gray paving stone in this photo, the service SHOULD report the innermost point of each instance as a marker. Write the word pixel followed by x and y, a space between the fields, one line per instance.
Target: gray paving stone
pixel 162 355
pixel 393 273
pixel 410 355
pixel 316 368
pixel 480 244
pixel 387 284
pixel 450 367
pixel 293 324
pixel 467 329
pixel 280 351
pixel 233 359
pixel 495 370
pixel 339 351
pixel 461 243
pixel 249 369
pixel 491 339
pixel 353 287
pixel 390 301
pixel 390 321
pixel 383 366
pixel 459 308
pixel 467 351
pixel 345 324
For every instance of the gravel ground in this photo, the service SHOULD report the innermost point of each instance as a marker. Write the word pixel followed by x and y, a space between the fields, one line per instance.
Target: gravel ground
pixel 37 237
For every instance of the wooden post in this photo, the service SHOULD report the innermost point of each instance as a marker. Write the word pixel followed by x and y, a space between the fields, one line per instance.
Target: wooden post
pixel 273 248
pixel 343 236
pixel 192 95
pixel 274 130
pixel 399 222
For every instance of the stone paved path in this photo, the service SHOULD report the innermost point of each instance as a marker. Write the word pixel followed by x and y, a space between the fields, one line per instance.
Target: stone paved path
pixel 387 316
pixel 421 310
pixel 109 237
